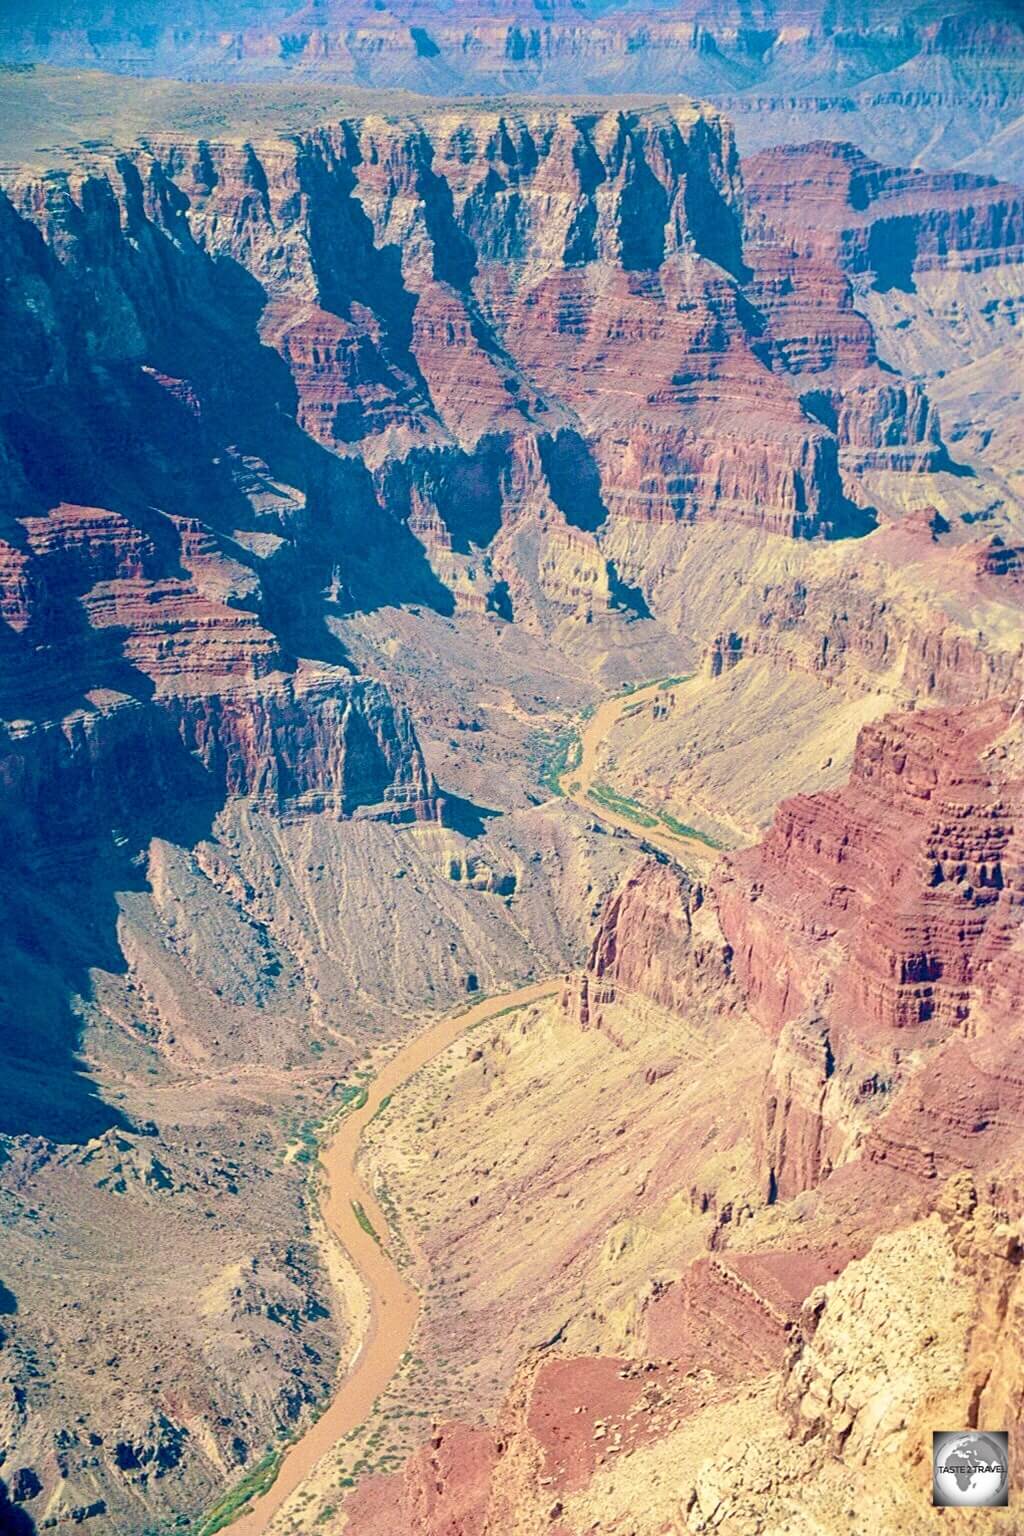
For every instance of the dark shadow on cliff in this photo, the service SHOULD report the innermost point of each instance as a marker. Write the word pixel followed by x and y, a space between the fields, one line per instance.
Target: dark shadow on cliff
pixel 78 844
pixel 465 816
pixel 352 270
pixel 14 1519
pixel 712 220
pixel 208 429
pixel 891 253
pixel 643 212
pixel 384 564
pixel 51 665
pixel 947 465
pixel 626 597
pixel 851 522
pixel 574 479
pixel 454 252
pixel 464 487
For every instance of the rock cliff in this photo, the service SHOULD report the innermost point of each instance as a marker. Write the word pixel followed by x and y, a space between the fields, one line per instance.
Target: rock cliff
pixel 823 217
pixel 653 939
pixel 941 84
pixel 910 872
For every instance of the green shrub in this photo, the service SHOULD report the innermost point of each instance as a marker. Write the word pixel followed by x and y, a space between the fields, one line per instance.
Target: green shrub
pixel 253 1485
pixel 364 1221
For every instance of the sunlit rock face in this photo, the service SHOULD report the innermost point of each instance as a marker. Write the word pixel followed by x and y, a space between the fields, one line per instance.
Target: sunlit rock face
pixel 943 85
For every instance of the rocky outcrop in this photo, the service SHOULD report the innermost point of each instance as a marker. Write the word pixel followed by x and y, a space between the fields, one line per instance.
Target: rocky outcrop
pixel 822 217
pixel 875 220
pixel 846 632
pixel 734 1313
pixel 909 873
pixel 655 934
pixel 888 909
pixel 722 654
pixel 864 1402
pixel 800 1132
pixel 789 72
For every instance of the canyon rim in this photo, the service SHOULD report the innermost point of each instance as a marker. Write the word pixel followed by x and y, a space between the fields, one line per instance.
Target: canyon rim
pixel 511 764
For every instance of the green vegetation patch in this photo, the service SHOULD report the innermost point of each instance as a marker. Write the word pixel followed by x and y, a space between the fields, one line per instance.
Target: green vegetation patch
pixel 353 1096
pixel 502 1013
pixel 307 1152
pixel 555 755
pixel 622 805
pixel 662 682
pixel 364 1221
pixel 253 1485
pixel 683 829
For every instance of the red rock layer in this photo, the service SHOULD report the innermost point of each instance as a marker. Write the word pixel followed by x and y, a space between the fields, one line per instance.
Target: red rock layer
pixel 444 1487
pixel 911 874
pixel 646 945
pixel 880 920
pixel 437 282
pixel 821 214
pixel 733 1313
pixel 832 201
pixel 729 1319
pixel 965 1110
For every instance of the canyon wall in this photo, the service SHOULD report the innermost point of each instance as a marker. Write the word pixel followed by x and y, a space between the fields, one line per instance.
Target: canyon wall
pixel 252 389
pixel 654 940
pixel 943 84
pixel 911 870
pixel 900 922
pixel 333 457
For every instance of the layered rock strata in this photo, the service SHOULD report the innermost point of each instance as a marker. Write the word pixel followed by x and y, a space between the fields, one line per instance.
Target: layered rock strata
pixel 941 85
pixel 775 1332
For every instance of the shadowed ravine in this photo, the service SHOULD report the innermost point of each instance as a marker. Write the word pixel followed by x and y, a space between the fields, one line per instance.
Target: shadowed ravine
pixel 394 1303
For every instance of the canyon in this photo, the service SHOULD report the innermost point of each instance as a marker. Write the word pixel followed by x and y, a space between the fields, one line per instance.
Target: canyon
pixel 512 763
pixel 943 81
